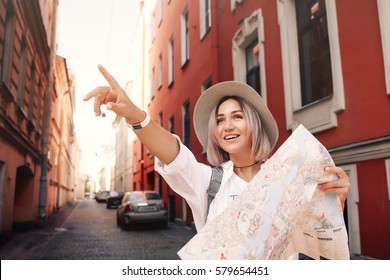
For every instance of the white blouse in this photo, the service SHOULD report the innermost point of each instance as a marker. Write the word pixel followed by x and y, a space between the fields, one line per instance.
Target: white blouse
pixel 190 179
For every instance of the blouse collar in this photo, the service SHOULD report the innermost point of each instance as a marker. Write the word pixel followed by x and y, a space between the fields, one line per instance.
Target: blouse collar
pixel 228 171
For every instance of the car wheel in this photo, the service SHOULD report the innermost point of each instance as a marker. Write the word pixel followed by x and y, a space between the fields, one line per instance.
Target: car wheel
pixel 164 224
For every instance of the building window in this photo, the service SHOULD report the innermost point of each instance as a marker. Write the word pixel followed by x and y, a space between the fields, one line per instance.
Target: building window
pixel 153 27
pixel 185 48
pixel 152 82
pixel 159 12
pixel 205 17
pixel 313 80
pixel 160 119
pixel 205 85
pixel 384 22
pixel 314 51
pixel 140 155
pixel 186 124
pixel 233 4
pixel 9 37
pixel 41 96
pixel 351 213
pixel 387 163
pixel 22 72
pixel 170 62
pixel 171 125
pixel 252 65
pixel 248 53
pixel 160 123
pixel 32 93
pixel 160 70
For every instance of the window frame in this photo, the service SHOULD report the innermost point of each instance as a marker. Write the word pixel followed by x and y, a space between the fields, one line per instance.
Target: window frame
pixel 352 204
pixel 320 115
pixel 9 42
pixel 159 11
pixel 233 4
pixel 204 17
pixel 171 60
pixel 384 23
pixel 171 124
pixel 160 71
pixel 185 41
pixel 250 28
pixel 22 72
pixel 207 83
pixel 186 117
pixel 387 166
pixel 152 83
pixel 317 73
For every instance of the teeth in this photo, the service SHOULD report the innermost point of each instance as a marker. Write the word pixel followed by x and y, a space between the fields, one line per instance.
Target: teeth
pixel 230 137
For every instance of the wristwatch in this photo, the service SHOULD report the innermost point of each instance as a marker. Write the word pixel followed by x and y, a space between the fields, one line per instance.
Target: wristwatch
pixel 140 125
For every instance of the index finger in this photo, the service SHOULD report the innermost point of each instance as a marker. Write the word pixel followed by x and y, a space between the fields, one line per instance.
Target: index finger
pixel 109 78
pixel 96 92
pixel 337 170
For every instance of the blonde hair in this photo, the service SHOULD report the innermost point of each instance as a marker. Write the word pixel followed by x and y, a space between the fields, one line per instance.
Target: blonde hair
pixel 261 146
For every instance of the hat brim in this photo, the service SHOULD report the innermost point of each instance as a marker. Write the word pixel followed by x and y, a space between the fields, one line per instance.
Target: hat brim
pixel 210 98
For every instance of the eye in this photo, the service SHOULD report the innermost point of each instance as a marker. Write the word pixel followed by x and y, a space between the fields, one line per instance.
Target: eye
pixel 238 117
pixel 219 121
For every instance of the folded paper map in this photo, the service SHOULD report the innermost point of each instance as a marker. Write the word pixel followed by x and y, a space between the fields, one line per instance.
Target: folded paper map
pixel 282 211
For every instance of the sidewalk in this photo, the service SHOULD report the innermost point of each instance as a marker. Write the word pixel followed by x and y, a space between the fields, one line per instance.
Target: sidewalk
pixel 22 242
pixel 58 218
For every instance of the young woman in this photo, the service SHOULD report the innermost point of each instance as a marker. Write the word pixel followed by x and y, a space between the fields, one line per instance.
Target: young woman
pixel 231 121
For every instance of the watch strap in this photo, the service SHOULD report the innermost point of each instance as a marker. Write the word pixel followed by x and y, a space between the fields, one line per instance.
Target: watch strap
pixel 140 125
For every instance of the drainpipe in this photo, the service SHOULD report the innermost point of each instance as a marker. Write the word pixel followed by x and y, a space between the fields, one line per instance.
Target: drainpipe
pixel 47 116
pixel 215 43
pixel 142 14
pixel 60 150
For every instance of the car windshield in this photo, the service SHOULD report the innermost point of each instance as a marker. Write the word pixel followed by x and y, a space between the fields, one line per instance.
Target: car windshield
pixel 152 196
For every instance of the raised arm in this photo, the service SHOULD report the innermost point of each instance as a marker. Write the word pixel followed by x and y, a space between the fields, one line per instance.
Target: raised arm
pixel 159 141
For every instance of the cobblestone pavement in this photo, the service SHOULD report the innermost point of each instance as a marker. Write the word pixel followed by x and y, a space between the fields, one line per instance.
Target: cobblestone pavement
pixel 86 230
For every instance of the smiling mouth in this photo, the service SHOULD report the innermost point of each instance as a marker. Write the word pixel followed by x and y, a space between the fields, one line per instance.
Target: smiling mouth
pixel 231 137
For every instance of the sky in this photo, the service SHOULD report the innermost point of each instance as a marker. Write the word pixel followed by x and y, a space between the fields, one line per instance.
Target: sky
pixel 92 32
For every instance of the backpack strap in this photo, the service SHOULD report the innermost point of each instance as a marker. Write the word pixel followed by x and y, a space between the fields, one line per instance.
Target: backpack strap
pixel 215 183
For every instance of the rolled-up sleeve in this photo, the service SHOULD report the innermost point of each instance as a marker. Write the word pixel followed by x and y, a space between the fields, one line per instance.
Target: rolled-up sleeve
pixel 190 179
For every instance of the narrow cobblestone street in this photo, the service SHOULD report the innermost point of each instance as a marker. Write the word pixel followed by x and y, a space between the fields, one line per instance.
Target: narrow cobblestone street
pixel 86 230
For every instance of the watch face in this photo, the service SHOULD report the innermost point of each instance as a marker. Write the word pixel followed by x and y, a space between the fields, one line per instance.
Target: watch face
pixel 136 126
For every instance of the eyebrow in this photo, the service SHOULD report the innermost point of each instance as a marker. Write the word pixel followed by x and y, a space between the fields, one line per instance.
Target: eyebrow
pixel 232 112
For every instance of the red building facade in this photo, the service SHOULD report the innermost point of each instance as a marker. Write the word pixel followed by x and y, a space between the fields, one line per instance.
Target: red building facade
pixel 37 141
pixel 324 64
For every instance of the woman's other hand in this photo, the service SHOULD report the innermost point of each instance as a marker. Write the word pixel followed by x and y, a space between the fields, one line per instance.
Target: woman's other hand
pixel 340 187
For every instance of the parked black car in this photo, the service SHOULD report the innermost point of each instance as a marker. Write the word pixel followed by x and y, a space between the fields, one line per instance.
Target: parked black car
pixel 142 207
pixel 114 199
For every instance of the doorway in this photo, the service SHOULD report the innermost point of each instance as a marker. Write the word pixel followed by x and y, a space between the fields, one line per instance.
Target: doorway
pixel 23 216
pixel 351 212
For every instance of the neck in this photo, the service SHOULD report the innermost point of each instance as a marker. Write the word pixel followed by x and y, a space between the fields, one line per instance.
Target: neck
pixel 246 166
pixel 247 172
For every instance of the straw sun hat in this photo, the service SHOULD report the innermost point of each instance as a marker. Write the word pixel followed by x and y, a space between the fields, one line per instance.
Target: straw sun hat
pixel 210 98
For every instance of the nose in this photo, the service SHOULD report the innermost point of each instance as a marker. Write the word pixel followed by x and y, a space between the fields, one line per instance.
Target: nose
pixel 228 124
